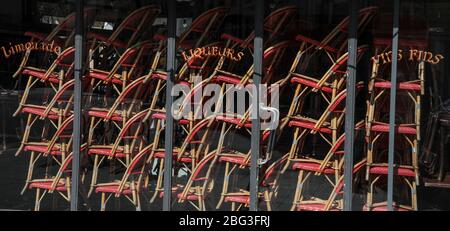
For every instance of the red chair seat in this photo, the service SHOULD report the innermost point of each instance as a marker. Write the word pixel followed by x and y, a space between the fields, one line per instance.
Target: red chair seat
pixel 112 189
pixel 162 155
pixel 163 76
pixel 298 122
pixel 401 129
pixel 235 160
pixel 42 148
pixel 310 83
pixel 383 208
pixel 189 197
pixel 233 120
pixel 102 114
pixel 37 35
pixel 107 151
pixel 314 207
pixel 401 86
pixel 313 167
pixel 104 76
pixel 104 38
pixel 243 199
pixel 39 110
pixel 40 74
pixel 61 186
pixel 162 116
pixel 228 79
pixel 398 171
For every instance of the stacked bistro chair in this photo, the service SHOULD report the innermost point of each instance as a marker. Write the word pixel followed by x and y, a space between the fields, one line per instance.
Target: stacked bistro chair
pixel 127 104
pixel 331 88
pixel 410 89
pixel 127 33
pixel 334 44
pixel 62 35
pixel 232 122
pixel 332 203
pixel 60 182
pixel 59 108
pixel 275 26
pixel 269 185
pixel 330 167
pixel 59 72
pixel 128 66
pixel 132 183
pixel 129 141
pixel 56 148
pixel 198 34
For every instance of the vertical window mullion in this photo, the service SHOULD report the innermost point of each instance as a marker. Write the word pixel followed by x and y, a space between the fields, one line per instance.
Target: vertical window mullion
pixel 350 105
pixel 78 66
pixel 256 124
pixel 171 38
pixel 392 111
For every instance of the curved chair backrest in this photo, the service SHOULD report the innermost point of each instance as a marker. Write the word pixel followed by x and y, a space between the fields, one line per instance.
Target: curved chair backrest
pixel 277 21
pixel 68 25
pixel 137 21
pixel 63 131
pixel 205 24
pixel 200 175
pixel 275 56
pixel 273 168
pixel 337 38
pixel 127 133
pixel 135 91
pixel 64 168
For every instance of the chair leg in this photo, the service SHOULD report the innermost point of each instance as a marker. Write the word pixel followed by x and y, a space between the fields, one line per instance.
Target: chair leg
pixel 268 200
pixel 26 133
pixel 30 171
pixel 414 196
pixel 226 178
pixel 138 202
pixel 158 181
pixel 24 97
pixel 37 200
pixel 298 190
pixel 103 202
pixel 94 175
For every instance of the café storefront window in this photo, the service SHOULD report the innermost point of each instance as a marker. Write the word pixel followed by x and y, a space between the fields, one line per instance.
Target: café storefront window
pixel 224 105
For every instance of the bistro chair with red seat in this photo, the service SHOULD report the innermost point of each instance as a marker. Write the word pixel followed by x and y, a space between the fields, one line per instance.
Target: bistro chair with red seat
pixel 327 125
pixel 60 183
pixel 59 72
pixel 408 117
pixel 334 45
pixel 327 85
pixel 56 148
pixel 129 141
pixel 197 35
pixel 330 166
pixel 125 106
pixel 59 108
pixel 231 155
pixel 127 33
pixel 131 184
pixel 186 156
pixel 404 173
pixel 129 65
pixel 331 203
pixel 199 184
pixel 269 183
pixel 275 25
pixel 62 35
